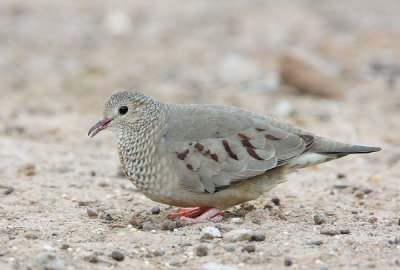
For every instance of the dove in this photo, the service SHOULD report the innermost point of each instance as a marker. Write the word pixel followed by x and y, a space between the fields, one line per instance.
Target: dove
pixel 207 158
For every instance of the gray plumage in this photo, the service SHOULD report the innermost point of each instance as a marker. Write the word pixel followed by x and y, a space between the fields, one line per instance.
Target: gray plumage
pixel 209 155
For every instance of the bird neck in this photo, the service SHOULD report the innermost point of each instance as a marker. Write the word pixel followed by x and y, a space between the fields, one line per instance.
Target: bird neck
pixel 138 150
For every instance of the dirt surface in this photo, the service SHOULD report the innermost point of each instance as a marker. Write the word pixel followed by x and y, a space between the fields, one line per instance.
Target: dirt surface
pixel 61 60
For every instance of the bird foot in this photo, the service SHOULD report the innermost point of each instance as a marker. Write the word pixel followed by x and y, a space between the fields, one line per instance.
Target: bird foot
pixel 198 214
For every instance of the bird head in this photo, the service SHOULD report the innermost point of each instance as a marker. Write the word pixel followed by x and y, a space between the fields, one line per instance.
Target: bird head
pixel 124 110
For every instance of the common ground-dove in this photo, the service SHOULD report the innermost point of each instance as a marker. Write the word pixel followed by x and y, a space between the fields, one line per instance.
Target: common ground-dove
pixel 209 157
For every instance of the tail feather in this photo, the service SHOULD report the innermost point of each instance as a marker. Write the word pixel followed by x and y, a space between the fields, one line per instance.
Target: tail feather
pixel 352 149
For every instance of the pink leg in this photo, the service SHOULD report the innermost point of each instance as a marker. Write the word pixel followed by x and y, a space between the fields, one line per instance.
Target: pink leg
pixel 209 213
pixel 190 212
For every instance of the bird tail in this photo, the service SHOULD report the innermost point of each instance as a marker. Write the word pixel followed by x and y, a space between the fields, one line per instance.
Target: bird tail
pixel 350 149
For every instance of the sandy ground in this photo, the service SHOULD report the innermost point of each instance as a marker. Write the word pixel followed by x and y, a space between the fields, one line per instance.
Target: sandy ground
pixel 61 60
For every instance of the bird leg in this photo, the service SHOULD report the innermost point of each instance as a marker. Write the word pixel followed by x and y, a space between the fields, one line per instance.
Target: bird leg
pixel 198 214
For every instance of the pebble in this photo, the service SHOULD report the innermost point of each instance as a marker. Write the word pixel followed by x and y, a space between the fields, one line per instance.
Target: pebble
pixel 217 266
pixel 276 200
pixel 168 225
pixel 65 246
pixel 135 223
pixel 248 207
pixel 319 219
pixel 359 194
pixel 258 237
pixel 155 210
pixel 92 213
pixel 30 236
pixel 238 235
pixel 287 261
pixel 210 233
pixel 159 252
pixel 249 248
pixel 229 247
pixel 330 232
pixel 49 261
pixel 236 220
pixel 313 243
pixel 341 175
pixel 117 255
pixel 9 190
pixel 372 220
pixel 344 231
pixel 147 226
pixel 201 251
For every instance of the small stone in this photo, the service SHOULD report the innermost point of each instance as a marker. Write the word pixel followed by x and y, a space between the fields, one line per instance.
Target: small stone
pixel 201 251
pixel 249 248
pixel 148 226
pixel 276 200
pixel 344 231
pixel 159 252
pixel 168 225
pixel 236 220
pixel 330 232
pixel 136 223
pixel 65 246
pixel 341 175
pixel 229 247
pixel 238 235
pixel 92 213
pixel 83 203
pixel 359 194
pixel 398 222
pixel 209 233
pixel 248 207
pixel 258 237
pixel 319 219
pixel 340 187
pixel 30 236
pixel 9 190
pixel 367 190
pixel 287 261
pixel 117 255
pixel 155 210
pixel 216 266
pixel 372 220
pixel 313 243
pixel 106 216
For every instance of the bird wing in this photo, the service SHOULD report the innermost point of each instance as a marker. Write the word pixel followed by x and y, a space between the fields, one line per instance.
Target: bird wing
pixel 215 147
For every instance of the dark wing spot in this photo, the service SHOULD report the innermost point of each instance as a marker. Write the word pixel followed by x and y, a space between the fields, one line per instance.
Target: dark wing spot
pixel 183 155
pixel 272 138
pixel 308 139
pixel 199 147
pixel 253 153
pixel 214 157
pixel 244 137
pixel 260 129
pixel 190 167
pixel 246 143
pixel 229 150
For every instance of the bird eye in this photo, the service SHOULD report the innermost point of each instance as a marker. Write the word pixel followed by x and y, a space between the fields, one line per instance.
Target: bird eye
pixel 123 110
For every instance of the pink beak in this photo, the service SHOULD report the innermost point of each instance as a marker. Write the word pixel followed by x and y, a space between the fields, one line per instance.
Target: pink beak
pixel 99 126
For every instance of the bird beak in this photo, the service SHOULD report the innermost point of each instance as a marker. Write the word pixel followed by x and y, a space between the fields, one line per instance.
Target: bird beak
pixel 99 126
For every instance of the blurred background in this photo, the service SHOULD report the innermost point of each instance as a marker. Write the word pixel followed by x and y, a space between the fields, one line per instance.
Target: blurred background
pixel 331 67
pixel 299 59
